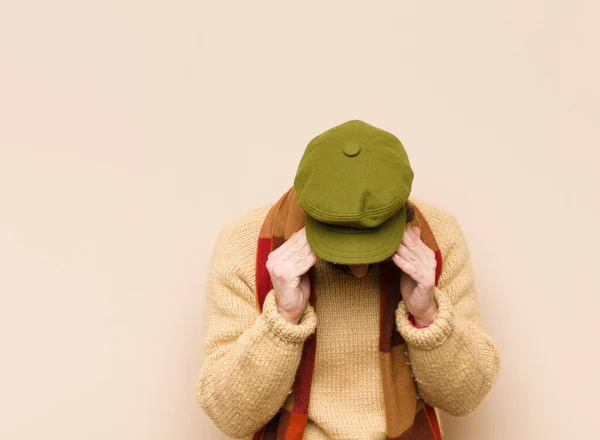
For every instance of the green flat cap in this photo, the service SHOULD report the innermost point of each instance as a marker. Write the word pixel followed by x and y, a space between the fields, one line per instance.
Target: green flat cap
pixel 353 182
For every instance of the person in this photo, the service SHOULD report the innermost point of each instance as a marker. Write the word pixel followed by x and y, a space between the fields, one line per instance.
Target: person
pixel 348 309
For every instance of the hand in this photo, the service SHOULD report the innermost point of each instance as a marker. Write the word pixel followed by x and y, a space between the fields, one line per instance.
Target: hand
pixel 288 267
pixel 417 281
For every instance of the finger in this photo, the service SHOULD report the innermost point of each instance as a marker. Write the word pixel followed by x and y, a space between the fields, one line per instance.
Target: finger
pixel 295 240
pixel 409 238
pixel 419 257
pixel 415 245
pixel 408 254
pixel 409 268
pixel 297 252
pixel 293 267
pixel 308 262
pixel 282 247
pixel 298 261
pixel 297 248
pixel 295 243
pixel 302 232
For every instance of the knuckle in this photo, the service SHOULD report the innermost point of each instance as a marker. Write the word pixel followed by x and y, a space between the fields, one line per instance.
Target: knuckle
pixel 287 275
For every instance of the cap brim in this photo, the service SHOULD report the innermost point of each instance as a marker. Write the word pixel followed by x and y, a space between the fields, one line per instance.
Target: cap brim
pixel 343 245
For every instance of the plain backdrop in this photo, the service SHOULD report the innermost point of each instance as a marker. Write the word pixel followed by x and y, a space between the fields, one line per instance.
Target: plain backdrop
pixel 132 131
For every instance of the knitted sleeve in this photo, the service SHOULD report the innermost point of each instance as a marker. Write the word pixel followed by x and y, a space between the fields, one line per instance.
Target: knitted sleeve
pixel 454 361
pixel 249 359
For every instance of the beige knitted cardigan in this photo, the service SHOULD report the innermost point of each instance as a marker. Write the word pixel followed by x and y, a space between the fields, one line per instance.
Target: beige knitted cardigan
pixel 454 361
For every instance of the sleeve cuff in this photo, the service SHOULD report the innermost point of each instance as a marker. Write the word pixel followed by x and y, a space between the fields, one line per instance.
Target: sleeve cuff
pixel 411 318
pixel 435 333
pixel 284 329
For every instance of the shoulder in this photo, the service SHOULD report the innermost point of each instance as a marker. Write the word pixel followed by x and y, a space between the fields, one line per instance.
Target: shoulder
pixel 242 231
pixel 457 276
pixel 246 226
pixel 443 223
pixel 235 249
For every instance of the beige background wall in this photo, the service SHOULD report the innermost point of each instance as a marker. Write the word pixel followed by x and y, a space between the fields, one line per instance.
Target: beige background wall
pixel 131 131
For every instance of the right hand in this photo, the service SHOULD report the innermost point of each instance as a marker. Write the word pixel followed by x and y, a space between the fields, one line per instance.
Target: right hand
pixel 288 267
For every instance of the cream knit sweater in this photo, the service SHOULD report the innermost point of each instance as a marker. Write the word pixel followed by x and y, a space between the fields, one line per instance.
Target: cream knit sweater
pixel 250 359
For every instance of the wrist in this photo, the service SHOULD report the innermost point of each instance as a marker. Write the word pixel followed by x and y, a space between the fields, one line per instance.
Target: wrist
pixel 425 319
pixel 289 318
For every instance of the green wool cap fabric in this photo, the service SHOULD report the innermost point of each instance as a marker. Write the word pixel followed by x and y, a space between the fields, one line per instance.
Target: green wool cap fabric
pixel 353 182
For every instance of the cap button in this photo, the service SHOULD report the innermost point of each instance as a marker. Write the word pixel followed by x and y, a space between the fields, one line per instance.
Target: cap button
pixel 351 148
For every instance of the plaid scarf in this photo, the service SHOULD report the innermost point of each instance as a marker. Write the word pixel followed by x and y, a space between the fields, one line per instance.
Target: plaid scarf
pixel 407 417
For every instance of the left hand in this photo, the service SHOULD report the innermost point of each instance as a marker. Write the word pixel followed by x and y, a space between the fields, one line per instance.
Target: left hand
pixel 417 280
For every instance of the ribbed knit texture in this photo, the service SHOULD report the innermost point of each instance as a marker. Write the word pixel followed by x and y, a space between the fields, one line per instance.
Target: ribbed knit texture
pixel 250 359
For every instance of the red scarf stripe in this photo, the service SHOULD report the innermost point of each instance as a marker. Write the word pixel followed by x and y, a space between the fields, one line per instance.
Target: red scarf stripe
pixel 263 279
pixel 433 422
pixel 304 374
pixel 438 267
